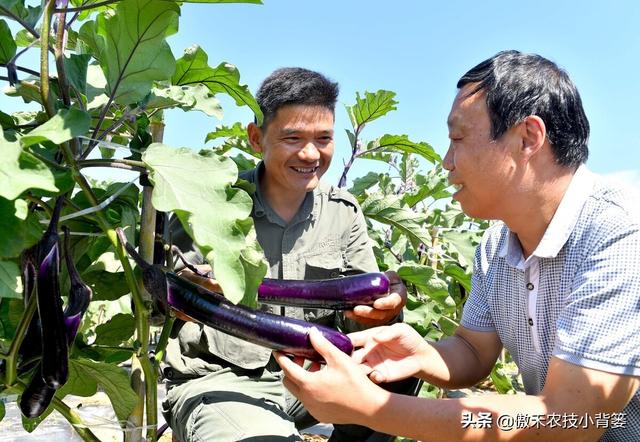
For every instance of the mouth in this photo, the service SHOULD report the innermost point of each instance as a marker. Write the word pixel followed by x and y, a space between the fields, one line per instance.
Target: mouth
pixel 305 170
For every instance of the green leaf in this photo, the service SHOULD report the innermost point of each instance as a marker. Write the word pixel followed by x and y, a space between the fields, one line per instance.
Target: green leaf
pixel 198 188
pixel 86 375
pixel 2 410
pixel 116 330
pixel 191 97
pixel 16 8
pixel 17 233
pixel 66 124
pixel 131 48
pixel 427 279
pixel 370 107
pixel 501 380
pixel 10 283
pixel 255 2
pixel 193 69
pixel 389 210
pixel 75 67
pixel 106 278
pixel 11 311
pixel 402 144
pixel 19 173
pixel 460 275
pixel 363 183
pixel 463 243
pixel 238 130
pixel 7 43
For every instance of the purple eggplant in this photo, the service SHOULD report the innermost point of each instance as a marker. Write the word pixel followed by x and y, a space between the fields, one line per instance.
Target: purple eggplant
pixel 338 294
pixel 36 397
pixel 288 335
pixel 79 294
pixel 55 350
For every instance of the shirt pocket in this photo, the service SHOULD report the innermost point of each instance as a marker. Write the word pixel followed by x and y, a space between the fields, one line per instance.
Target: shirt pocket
pixel 324 265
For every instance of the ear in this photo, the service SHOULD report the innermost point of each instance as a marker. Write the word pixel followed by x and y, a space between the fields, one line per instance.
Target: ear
pixel 254 134
pixel 534 136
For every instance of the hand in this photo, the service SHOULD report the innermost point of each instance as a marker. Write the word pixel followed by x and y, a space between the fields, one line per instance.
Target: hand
pixel 389 353
pixel 384 309
pixel 338 393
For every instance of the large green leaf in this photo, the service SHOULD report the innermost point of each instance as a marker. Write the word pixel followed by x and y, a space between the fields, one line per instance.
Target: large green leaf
pixel 106 278
pixel 255 2
pixel 198 188
pixel 66 124
pixel 463 243
pixel 7 43
pixel 116 330
pixel 399 143
pixel 17 8
pixel 361 184
pixel 17 175
pixel 425 277
pixel 389 210
pixel 10 284
pixel 131 48
pixel 18 230
pixel 86 375
pixel 370 107
pixel 75 67
pixel 188 97
pixel 193 69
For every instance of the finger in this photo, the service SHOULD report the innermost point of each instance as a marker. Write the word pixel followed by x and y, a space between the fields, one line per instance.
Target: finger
pixel 391 333
pixel 326 349
pixel 377 377
pixel 360 338
pixel 291 386
pixel 390 302
pixel 366 312
pixel 291 370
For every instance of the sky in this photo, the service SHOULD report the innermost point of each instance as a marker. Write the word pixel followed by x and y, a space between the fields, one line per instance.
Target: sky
pixel 419 49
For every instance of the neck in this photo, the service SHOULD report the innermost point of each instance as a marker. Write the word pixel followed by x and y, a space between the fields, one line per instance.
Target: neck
pixel 536 204
pixel 284 203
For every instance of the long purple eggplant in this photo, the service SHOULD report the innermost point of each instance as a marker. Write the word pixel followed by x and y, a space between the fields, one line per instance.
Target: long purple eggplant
pixel 273 331
pixel 338 294
pixel 55 351
pixel 288 335
pixel 36 397
pixel 79 294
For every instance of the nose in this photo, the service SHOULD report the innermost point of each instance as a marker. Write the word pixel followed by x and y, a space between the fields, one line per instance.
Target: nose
pixel 309 152
pixel 447 162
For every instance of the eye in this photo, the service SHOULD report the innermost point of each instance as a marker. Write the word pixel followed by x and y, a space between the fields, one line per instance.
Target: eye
pixel 291 139
pixel 326 139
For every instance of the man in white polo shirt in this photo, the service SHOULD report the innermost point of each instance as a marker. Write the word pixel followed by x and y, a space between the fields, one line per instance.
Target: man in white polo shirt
pixel 556 282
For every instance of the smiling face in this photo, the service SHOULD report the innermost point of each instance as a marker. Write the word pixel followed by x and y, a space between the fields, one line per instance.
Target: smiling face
pixel 483 170
pixel 296 146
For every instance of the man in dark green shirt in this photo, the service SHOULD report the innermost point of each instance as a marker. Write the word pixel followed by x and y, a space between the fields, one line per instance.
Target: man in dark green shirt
pixel 220 387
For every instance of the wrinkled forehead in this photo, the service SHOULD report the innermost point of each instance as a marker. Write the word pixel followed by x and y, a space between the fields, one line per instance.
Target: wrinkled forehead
pixel 302 116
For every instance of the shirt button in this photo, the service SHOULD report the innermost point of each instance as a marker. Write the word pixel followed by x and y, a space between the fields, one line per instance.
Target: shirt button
pixel 529 286
pixel 334 274
pixel 531 322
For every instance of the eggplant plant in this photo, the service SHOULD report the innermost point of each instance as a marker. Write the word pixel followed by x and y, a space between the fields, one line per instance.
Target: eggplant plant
pixel 103 78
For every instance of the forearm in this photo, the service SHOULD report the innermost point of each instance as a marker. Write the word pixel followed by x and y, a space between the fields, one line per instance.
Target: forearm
pixel 460 419
pixel 452 363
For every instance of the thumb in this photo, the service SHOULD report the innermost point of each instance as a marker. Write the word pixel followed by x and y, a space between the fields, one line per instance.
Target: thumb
pixel 326 349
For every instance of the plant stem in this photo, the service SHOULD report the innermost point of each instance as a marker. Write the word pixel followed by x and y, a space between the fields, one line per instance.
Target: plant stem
pixel 39 202
pixel 87 7
pixel 354 153
pixel 76 422
pixel 23 69
pixel 12 357
pixel 164 336
pixel 59 54
pixel 44 58
pixel 23 23
pixel 117 163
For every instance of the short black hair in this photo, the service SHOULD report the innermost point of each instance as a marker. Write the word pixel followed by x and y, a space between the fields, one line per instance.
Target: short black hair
pixel 290 86
pixel 518 85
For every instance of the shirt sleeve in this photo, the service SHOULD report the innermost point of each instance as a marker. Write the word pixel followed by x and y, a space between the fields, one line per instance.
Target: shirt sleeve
pixel 476 314
pixel 599 325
